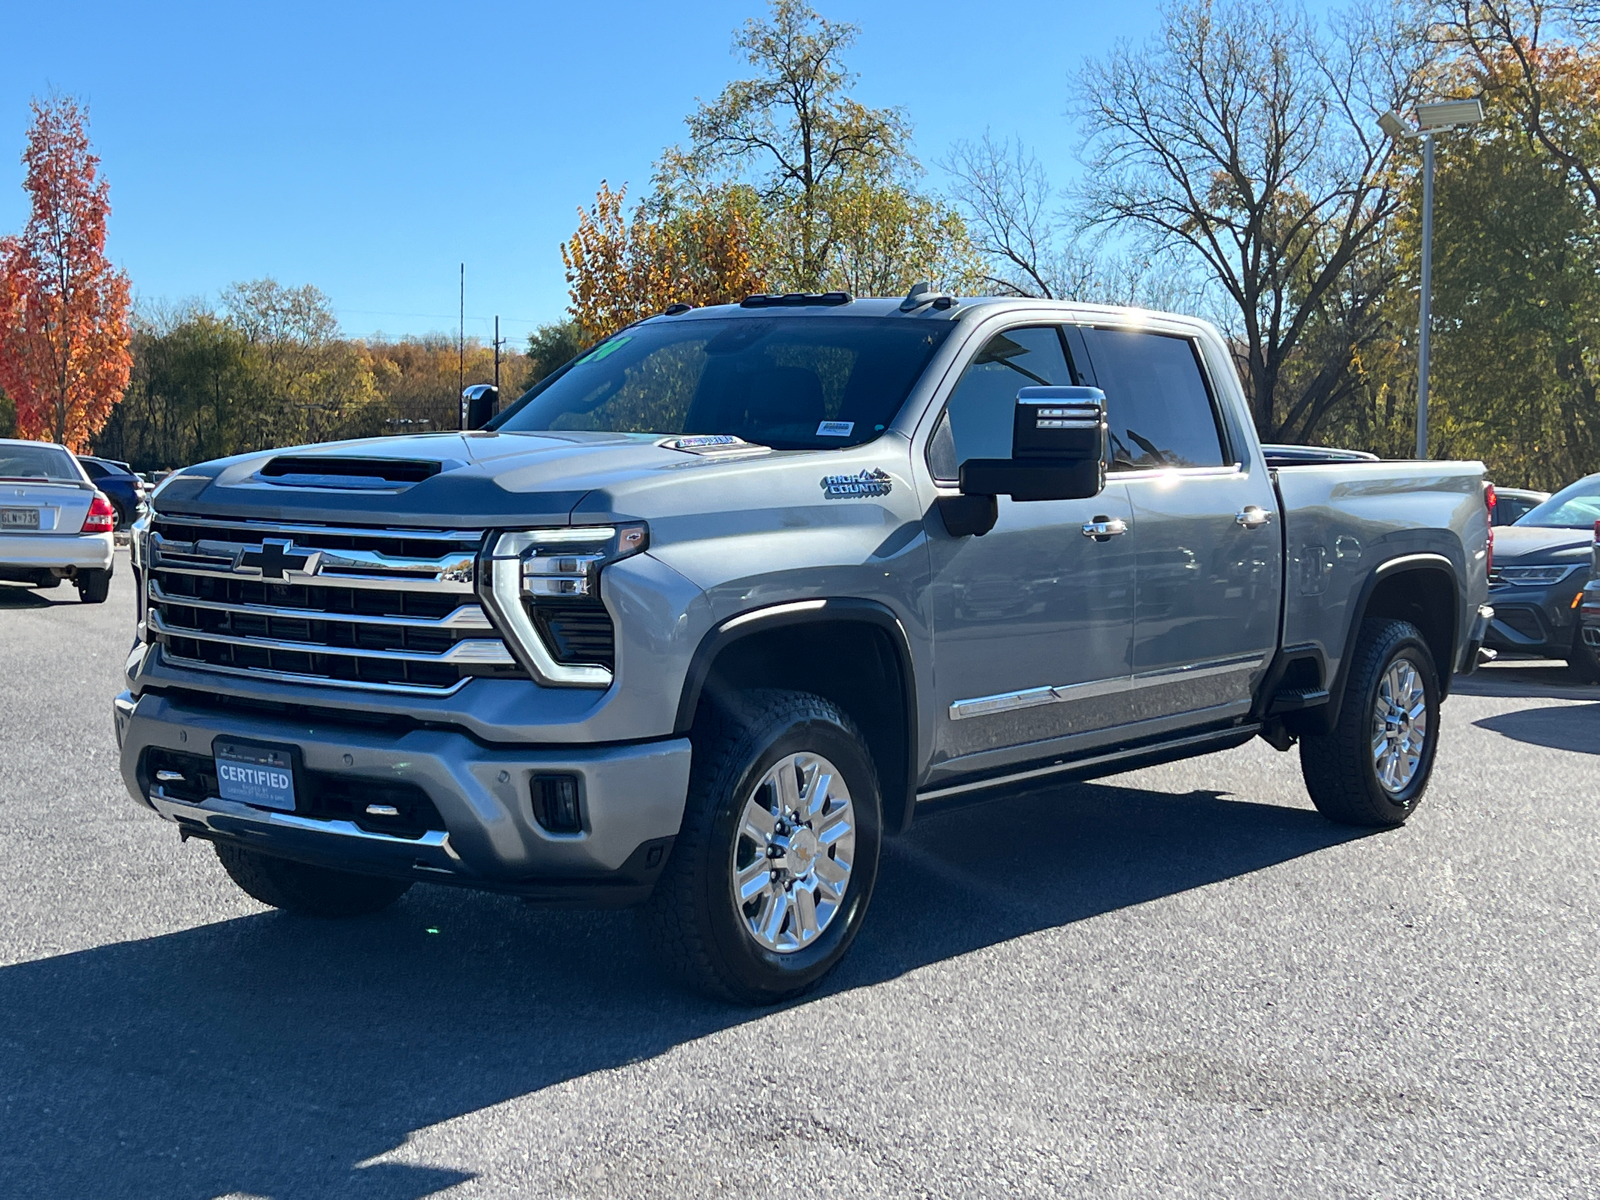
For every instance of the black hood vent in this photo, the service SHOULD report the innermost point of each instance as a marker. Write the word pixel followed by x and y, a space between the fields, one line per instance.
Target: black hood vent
pixel 315 470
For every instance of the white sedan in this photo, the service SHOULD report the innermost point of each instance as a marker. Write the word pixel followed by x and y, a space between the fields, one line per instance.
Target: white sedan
pixel 54 523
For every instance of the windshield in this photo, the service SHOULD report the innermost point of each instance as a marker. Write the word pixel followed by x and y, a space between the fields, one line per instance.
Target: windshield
pixel 1576 506
pixel 792 383
pixel 38 462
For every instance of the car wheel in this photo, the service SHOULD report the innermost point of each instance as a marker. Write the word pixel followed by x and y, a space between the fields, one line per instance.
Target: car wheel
pixel 93 586
pixel 121 515
pixel 771 874
pixel 1584 660
pixel 1374 766
pixel 307 890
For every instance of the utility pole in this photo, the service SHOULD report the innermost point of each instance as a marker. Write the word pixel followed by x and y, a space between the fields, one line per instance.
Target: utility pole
pixel 461 342
pixel 497 344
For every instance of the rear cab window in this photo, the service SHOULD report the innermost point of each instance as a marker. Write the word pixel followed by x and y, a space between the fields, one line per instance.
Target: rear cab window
pixel 1159 406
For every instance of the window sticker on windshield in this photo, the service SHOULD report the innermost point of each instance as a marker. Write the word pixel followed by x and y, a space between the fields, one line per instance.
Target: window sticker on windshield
pixel 835 428
pixel 605 349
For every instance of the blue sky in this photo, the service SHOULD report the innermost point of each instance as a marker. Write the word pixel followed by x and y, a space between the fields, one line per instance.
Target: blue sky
pixel 369 149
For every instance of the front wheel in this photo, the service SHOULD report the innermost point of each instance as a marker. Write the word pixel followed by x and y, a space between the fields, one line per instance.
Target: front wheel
pixel 771 873
pixel 1584 661
pixel 1374 766
pixel 307 890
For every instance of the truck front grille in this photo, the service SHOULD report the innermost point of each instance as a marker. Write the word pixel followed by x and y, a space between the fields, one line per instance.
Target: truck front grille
pixel 385 609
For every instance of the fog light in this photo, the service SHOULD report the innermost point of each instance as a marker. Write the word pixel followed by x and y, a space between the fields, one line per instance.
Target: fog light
pixel 555 803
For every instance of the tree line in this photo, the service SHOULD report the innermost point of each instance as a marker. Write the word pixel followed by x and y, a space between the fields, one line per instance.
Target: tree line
pixel 1233 167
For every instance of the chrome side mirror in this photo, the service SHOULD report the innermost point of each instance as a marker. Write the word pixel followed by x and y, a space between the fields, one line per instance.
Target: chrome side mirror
pixel 479 403
pixel 1058 448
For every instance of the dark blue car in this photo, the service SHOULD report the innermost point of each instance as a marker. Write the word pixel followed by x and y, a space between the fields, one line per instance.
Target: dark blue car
pixel 1540 566
pixel 122 487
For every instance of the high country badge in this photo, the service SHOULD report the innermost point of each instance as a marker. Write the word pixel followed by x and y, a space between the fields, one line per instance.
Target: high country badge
pixel 852 487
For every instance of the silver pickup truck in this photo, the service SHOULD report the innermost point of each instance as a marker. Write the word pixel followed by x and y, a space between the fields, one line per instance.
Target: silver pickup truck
pixel 716 607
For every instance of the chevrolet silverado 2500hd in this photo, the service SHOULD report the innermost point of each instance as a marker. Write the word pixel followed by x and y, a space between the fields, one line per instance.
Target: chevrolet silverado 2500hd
pixel 713 609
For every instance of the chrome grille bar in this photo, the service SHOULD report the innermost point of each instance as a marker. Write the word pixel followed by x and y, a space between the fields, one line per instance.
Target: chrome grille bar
pixel 385 609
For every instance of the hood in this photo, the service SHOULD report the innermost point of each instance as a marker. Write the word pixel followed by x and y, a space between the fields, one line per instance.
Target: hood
pixel 1529 544
pixel 442 480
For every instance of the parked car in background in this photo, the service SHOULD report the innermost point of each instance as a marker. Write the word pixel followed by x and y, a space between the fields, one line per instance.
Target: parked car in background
pixel 1512 504
pixel 126 491
pixel 1541 564
pixel 54 523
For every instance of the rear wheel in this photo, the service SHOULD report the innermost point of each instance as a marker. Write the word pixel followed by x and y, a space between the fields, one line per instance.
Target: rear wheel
pixel 771 873
pixel 310 891
pixel 93 586
pixel 1374 766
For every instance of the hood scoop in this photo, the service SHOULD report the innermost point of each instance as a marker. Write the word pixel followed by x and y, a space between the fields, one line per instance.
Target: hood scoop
pixel 326 471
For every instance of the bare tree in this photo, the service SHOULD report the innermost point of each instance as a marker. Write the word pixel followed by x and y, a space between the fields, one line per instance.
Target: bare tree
pixel 1028 245
pixel 1244 139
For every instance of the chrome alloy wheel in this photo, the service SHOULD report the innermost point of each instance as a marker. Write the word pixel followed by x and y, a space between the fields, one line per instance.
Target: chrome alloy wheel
pixel 1399 725
pixel 793 852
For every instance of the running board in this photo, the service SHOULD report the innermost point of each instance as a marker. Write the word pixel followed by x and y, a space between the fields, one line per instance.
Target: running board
pixel 1111 763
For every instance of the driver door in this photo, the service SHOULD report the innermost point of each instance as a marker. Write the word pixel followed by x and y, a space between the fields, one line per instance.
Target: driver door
pixel 1032 622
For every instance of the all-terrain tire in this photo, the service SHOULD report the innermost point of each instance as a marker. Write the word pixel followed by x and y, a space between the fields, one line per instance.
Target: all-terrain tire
pixel 691 919
pixel 93 586
pixel 1340 768
pixel 307 890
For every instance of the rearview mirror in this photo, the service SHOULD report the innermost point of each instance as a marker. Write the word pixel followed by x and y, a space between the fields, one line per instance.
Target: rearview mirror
pixel 478 403
pixel 1058 448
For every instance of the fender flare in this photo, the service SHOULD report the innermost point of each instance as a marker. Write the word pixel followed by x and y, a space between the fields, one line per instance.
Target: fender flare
pixel 736 628
pixel 1399 565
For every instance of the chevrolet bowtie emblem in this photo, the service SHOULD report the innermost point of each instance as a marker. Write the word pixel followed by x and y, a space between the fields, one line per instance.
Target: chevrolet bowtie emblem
pixel 274 558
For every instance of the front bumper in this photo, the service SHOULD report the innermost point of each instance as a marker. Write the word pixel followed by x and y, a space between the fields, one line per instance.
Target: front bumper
pixel 62 552
pixel 632 798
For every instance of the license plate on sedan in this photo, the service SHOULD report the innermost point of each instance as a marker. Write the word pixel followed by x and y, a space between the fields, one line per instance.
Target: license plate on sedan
pixel 19 518
pixel 253 774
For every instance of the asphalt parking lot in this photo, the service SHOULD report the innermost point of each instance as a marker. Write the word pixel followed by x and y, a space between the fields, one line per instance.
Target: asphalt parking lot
pixel 1176 982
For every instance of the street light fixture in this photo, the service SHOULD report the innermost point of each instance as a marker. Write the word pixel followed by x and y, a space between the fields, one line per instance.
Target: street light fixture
pixel 1431 119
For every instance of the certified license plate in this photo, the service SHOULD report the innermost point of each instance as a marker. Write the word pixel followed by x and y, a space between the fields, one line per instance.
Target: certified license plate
pixel 19 518
pixel 258 775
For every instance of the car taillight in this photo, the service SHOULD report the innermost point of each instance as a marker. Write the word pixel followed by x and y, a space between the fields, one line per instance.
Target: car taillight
pixel 1490 500
pixel 102 517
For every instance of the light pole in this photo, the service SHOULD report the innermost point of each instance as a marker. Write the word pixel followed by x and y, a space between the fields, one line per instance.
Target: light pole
pixel 1431 119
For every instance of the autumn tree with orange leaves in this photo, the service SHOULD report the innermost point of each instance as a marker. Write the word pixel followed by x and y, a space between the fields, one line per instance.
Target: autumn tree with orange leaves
pixel 64 309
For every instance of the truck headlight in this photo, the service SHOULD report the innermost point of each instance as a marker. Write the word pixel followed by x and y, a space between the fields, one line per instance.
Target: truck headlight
pixel 1526 576
pixel 529 574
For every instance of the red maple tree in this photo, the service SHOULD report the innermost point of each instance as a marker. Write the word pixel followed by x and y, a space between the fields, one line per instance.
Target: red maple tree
pixel 64 309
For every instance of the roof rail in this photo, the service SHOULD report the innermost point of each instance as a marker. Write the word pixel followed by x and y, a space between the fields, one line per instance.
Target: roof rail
pixel 925 293
pixel 796 300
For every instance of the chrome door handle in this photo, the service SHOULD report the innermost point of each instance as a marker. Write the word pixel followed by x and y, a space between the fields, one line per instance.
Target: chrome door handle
pixel 1252 517
pixel 1103 528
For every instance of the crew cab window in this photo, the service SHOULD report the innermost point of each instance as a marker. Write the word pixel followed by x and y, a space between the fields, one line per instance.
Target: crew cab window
pixel 1158 406
pixel 977 422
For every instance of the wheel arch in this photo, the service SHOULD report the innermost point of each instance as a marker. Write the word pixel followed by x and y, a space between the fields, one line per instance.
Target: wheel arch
pixel 1421 588
pixel 853 652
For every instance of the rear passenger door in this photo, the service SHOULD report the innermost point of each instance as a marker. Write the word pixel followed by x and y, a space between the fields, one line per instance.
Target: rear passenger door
pixel 1209 550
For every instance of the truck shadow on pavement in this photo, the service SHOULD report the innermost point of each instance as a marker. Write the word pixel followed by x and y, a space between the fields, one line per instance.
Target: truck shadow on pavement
pixel 273 1056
